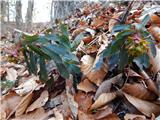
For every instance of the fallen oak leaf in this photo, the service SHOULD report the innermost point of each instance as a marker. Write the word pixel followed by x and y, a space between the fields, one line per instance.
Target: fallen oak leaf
pixel 86 86
pixel 103 99
pixel 145 107
pixel 39 102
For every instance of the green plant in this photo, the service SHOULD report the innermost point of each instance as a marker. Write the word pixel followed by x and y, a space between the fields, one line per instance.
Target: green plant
pixel 131 44
pixel 38 50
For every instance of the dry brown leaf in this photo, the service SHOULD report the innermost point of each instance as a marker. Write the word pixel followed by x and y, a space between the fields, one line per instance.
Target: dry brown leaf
pixel 155 61
pixel 58 115
pixel 85 116
pixel 111 116
pixel 155 19
pixel 38 114
pixel 77 31
pixel 103 99
pixel 87 68
pixel 22 106
pixel 39 102
pixel 86 86
pixel 145 107
pixel 139 91
pixel 155 31
pixel 28 85
pixel 84 101
pixel 12 74
pixel 131 73
pixel 102 113
pixel 134 117
pixel 97 23
pixel 8 104
pixel 113 22
pixel 106 85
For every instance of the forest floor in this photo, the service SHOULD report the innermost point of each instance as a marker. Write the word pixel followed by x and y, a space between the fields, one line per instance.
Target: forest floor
pixel 109 67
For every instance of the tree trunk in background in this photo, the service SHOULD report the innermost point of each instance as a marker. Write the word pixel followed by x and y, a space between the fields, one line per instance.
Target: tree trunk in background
pixel 29 15
pixel 3 16
pixel 18 14
pixel 51 13
pixel 64 8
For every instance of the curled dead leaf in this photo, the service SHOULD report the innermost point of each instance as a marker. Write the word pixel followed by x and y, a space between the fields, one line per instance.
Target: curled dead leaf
pixel 87 68
pixel 24 103
pixel 103 99
pixel 12 74
pixel 145 107
pixel 8 104
pixel 106 85
pixel 134 117
pixel 39 102
pixel 86 86
pixel 84 101
pixel 155 31
pixel 138 90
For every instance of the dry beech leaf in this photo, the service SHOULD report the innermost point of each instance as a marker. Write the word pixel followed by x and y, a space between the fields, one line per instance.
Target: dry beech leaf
pixel 86 86
pixel 87 68
pixel 21 108
pixel 155 61
pixel 103 99
pixel 84 101
pixel 155 19
pixel 106 85
pixel 29 85
pixel 84 116
pixel 39 102
pixel 134 117
pixel 38 114
pixel 8 104
pixel 145 107
pixel 12 74
pixel 139 91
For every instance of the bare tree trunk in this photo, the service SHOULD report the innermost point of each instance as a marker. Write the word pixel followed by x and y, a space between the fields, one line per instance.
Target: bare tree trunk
pixel 3 17
pixel 51 13
pixel 18 14
pixel 29 15
pixel 64 8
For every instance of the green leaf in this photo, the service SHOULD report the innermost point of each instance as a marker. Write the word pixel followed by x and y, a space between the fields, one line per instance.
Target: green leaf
pixel 76 41
pixel 38 51
pixel 70 58
pixel 123 34
pixel 54 56
pixel 30 39
pixel 64 41
pixel 33 62
pixel 142 61
pixel 73 69
pixel 62 70
pixel 145 20
pixel 64 29
pixel 43 72
pixel 121 27
pixel 123 59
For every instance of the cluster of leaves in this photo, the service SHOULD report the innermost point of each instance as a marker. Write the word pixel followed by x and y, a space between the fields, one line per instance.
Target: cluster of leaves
pixel 131 44
pixel 56 47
